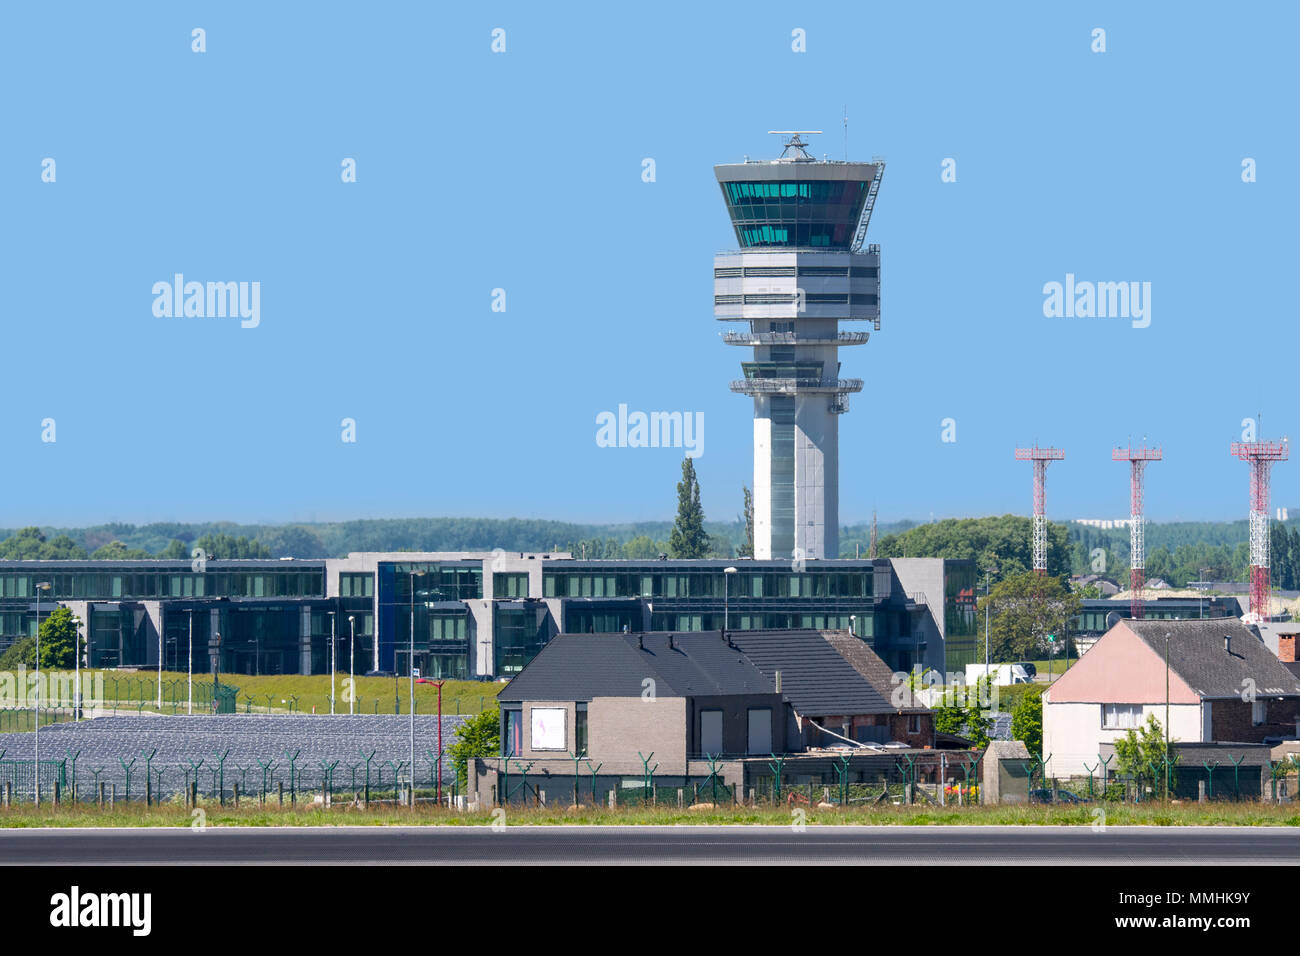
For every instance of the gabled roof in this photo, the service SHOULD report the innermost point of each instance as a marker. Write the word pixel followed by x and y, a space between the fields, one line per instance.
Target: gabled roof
pixel 1197 654
pixel 870 665
pixel 579 667
pixel 815 677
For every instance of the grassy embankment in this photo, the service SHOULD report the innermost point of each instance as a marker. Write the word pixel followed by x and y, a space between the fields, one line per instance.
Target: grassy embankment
pixel 342 814
pixel 130 692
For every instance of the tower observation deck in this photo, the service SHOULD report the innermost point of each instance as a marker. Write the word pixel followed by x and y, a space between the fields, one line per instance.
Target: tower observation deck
pixel 802 268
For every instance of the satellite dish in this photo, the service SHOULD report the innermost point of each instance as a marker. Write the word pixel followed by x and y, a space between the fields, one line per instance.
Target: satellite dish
pixel 1112 619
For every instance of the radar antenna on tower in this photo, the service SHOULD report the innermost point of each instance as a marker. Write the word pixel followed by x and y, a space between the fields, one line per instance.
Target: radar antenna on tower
pixel 795 143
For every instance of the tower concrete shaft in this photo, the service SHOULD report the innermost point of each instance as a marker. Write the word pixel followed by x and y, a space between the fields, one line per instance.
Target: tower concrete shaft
pixel 1040 457
pixel 800 271
pixel 1137 575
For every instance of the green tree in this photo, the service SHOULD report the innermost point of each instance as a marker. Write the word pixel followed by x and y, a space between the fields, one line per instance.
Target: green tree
pixel 117 551
pixel 643 547
pixel 176 550
pixel 21 653
pixel 746 550
pixel 227 547
pixel 1027 720
pixel 960 714
pixel 1141 753
pixel 29 544
pixel 688 538
pixel 58 639
pixel 1004 542
pixel 477 737
pixel 1025 608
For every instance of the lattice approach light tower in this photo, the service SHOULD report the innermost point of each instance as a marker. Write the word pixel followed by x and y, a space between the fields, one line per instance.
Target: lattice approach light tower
pixel 1040 457
pixel 1260 455
pixel 801 269
pixel 1137 575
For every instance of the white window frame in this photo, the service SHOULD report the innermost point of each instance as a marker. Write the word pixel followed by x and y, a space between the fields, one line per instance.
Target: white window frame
pixel 1135 710
pixel 548 731
pixel 1258 713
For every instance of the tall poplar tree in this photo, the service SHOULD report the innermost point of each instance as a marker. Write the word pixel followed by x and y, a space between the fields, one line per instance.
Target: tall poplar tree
pixel 688 538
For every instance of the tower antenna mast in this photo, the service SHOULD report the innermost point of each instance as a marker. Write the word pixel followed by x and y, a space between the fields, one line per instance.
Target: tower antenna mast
pixel 1137 575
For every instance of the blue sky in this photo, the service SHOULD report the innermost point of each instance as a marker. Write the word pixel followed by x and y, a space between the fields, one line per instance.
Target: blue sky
pixel 522 170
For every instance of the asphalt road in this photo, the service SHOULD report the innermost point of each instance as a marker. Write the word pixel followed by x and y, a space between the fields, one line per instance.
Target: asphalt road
pixel 652 845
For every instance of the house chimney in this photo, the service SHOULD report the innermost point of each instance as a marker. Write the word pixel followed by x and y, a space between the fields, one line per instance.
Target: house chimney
pixel 671 645
pixel 640 642
pixel 1286 648
pixel 1227 643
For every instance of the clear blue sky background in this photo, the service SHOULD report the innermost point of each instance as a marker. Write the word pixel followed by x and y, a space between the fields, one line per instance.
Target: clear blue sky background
pixel 522 171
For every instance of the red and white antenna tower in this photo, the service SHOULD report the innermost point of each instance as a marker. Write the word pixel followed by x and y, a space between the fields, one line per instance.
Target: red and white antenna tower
pixel 1137 575
pixel 1040 457
pixel 1261 455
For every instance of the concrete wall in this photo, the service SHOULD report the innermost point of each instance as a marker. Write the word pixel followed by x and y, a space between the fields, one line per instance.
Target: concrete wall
pixel 923 577
pixel 1073 734
pixel 619 727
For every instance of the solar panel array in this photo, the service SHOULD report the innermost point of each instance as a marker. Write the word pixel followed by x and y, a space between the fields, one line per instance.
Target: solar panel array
pixel 255 748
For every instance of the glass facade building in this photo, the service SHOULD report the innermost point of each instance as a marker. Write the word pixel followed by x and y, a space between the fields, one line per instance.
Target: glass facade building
pixel 470 616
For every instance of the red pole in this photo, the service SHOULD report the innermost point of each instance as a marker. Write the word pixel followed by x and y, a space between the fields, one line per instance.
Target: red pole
pixel 438 789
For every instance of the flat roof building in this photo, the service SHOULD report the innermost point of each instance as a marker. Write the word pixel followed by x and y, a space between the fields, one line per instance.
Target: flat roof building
pixel 475 614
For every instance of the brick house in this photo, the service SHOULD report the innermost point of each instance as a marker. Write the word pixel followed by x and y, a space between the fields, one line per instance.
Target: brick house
pixel 1222 685
pixel 838 687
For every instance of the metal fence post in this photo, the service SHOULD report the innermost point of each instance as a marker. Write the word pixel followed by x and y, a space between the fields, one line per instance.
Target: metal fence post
pixel 777 766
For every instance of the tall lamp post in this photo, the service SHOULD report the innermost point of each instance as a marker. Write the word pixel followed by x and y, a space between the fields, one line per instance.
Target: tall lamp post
pixel 352 663
pixel 437 794
pixel 726 599
pixel 1166 715
pixel 987 604
pixel 410 666
pixel 189 665
pixel 162 630
pixel 42 586
pixel 333 644
pixel 76 661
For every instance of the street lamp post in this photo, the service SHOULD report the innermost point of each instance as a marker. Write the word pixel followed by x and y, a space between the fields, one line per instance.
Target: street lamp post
pixel 987 605
pixel 726 599
pixel 189 665
pixel 161 631
pixel 333 644
pixel 410 666
pixel 76 662
pixel 42 586
pixel 438 789
pixel 352 662
pixel 1166 715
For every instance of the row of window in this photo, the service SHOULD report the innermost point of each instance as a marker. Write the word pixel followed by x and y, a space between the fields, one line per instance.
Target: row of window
pixel 862 625
pixel 814 235
pixel 708 584
pixel 856 272
pixel 99 586
pixel 352 584
pixel 510 586
pixel 792 192
pixel 792 298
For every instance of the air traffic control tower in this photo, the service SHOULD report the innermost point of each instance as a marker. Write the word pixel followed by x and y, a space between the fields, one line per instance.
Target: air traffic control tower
pixel 801 270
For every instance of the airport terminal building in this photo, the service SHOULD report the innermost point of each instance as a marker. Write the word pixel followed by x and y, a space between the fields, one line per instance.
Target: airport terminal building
pixel 475 614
